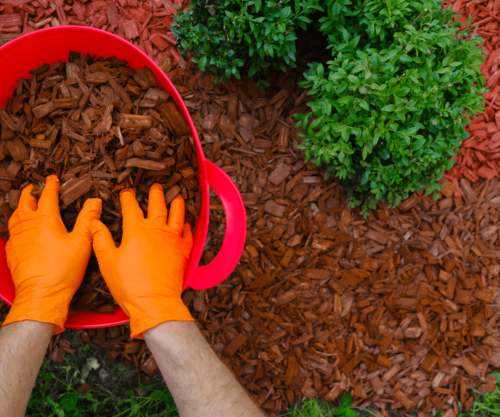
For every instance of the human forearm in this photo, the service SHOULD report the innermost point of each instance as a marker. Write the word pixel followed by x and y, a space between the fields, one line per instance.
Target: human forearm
pixel 199 382
pixel 22 347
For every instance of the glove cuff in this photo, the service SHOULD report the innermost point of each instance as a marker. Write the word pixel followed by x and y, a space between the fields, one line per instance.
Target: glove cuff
pixel 158 311
pixel 45 311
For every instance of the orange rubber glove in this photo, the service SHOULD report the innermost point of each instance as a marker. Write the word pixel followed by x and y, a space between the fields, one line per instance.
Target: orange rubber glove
pixel 145 274
pixel 46 262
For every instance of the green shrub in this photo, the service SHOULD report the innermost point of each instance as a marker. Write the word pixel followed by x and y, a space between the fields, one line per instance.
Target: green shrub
pixel 389 110
pixel 228 35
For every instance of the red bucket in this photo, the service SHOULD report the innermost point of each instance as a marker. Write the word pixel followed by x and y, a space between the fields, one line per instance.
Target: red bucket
pixel 51 45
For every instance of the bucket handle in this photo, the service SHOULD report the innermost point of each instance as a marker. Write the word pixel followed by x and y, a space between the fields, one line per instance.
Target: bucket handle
pixel 234 239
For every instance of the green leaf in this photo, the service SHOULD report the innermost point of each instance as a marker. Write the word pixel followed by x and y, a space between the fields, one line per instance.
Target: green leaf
pixel 203 62
pixel 342 409
pixel 364 104
pixel 347 400
pixel 384 153
pixel 336 76
pixel 68 401
pixel 417 145
pixel 258 4
pixel 156 395
pixel 236 72
pixel 49 376
pixel 320 70
pixel 389 107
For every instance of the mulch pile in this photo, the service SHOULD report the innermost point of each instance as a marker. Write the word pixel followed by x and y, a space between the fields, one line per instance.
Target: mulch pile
pixel 145 23
pixel 480 153
pixel 100 126
pixel 41 134
pixel 399 309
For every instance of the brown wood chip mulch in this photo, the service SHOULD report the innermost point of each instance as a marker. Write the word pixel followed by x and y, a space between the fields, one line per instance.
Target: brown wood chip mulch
pixel 100 126
pixel 144 23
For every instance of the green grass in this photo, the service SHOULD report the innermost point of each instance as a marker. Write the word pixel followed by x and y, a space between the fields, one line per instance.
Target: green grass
pixel 115 391
pixel 311 408
pixel 56 394
pixel 320 408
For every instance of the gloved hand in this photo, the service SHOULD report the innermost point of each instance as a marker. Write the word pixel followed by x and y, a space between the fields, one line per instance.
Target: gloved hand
pixel 145 274
pixel 46 262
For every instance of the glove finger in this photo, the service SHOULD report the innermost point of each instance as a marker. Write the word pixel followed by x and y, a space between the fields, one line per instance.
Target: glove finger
pixel 187 235
pixel 49 200
pixel 157 209
pixel 130 207
pixel 91 211
pixel 177 213
pixel 27 202
pixel 102 240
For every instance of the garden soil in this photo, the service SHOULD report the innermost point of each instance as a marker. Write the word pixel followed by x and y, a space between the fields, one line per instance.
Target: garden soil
pixel 400 309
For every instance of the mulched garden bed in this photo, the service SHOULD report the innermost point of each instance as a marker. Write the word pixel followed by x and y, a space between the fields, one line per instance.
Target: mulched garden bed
pixel 399 309
pixel 480 153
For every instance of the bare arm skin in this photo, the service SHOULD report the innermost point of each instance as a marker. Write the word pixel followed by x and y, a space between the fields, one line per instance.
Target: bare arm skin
pixel 22 348
pixel 199 382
